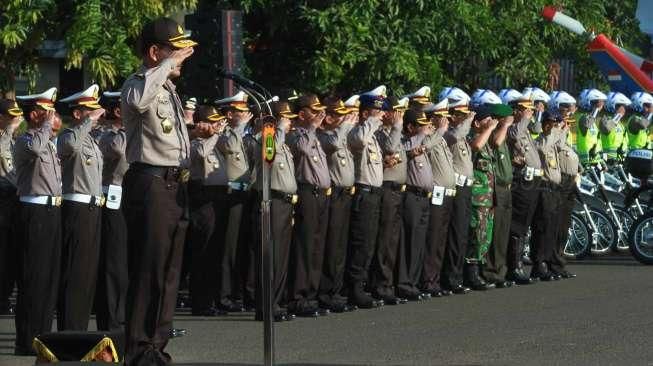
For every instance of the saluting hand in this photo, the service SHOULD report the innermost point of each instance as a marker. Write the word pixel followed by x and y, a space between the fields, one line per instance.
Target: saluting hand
pixel 397 118
pixel 180 55
pixel 317 121
pixel 95 114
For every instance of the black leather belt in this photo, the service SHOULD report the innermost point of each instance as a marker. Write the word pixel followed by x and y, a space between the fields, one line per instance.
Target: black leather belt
pixel 315 189
pixel 288 197
pixel 8 191
pixel 337 191
pixel 419 191
pixel 397 187
pixel 169 174
pixel 369 189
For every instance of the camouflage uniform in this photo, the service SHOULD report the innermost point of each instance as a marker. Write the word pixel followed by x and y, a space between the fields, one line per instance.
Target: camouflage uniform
pixel 482 220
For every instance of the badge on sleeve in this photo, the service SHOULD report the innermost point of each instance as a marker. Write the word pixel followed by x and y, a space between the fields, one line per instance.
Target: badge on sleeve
pixel 166 125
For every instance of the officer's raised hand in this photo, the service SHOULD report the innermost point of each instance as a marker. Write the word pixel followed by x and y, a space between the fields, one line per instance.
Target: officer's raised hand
pixel 179 56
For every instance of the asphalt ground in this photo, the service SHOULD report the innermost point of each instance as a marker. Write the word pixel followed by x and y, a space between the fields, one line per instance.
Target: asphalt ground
pixel 602 317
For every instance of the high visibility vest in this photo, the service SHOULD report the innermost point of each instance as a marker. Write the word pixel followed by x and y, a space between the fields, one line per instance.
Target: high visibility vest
pixel 614 140
pixel 585 142
pixel 637 140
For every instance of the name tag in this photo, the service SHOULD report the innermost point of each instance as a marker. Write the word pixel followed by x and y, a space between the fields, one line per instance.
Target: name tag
pixel 529 173
pixel 114 195
pixel 437 198
pixel 460 180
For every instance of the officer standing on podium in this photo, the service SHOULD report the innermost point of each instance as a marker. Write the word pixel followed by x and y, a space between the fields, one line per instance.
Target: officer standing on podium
pixel 38 181
pixel 155 189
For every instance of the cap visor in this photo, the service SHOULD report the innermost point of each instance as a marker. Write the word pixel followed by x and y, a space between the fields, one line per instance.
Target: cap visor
pixel 317 107
pixel 423 121
pixel 464 110
pixel 90 105
pixel 46 106
pixel 15 112
pixel 288 115
pixel 183 43
pixel 341 111
pixel 215 118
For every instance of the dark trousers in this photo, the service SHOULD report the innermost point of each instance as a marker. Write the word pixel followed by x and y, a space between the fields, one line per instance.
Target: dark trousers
pixel 335 250
pixel 8 241
pixel 436 243
pixel 545 225
pixel 495 266
pixel 307 249
pixel 39 265
pixel 233 246
pixel 525 196
pixel 155 210
pixel 567 195
pixel 457 238
pixel 80 256
pixel 416 222
pixel 208 217
pixel 389 241
pixel 249 255
pixel 281 217
pixel 363 231
pixel 112 280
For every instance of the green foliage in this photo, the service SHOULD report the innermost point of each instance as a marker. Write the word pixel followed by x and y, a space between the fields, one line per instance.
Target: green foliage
pixel 99 34
pixel 346 46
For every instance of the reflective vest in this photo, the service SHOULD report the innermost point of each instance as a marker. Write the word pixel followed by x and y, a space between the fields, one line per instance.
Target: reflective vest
pixel 585 142
pixel 613 140
pixel 637 140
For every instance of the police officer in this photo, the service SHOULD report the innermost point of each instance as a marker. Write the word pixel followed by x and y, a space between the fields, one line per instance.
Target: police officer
pixel 283 198
pixel 112 275
pixel 233 238
pixel 208 217
pixel 527 174
pixel 640 120
pixel 588 144
pixel 570 169
pixel 391 231
pixel 417 200
pixel 81 161
pixel 458 233
pixel 312 211
pixel 155 189
pixel 38 182
pixel 366 205
pixel 444 191
pixel 10 118
pixel 613 131
pixel 545 223
pixel 339 120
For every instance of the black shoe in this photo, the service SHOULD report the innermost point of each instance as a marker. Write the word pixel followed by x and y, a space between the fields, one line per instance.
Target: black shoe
pixel 460 289
pixel 6 308
pixel 445 292
pixel 434 292
pixel 391 300
pixel 323 311
pixel 362 299
pixel 308 313
pixel 209 312
pixel 566 274
pixel 178 332
pixel 541 272
pixel 503 284
pixel 411 295
pixel 519 277
pixel 473 278
pixel 231 307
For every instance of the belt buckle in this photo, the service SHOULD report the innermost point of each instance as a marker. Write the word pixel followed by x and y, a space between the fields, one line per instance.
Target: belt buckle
pixel 352 190
pixel 184 176
pixel 56 200
pixel 294 199
pixel 429 194
pixel 402 188
pixel 327 192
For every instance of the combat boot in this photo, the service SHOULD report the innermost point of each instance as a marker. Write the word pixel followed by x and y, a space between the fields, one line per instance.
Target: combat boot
pixel 473 279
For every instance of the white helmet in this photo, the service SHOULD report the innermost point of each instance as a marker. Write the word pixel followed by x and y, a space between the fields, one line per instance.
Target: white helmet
pixel 484 96
pixel 455 96
pixel 614 99
pixel 536 94
pixel 558 97
pixel 587 96
pixel 510 95
pixel 639 99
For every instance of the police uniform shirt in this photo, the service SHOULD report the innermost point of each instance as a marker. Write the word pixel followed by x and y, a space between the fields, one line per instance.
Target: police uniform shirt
pixel 390 140
pixel 231 144
pixel 567 157
pixel 340 158
pixel 523 146
pixel 419 167
pixel 81 159
pixel 207 162
pixel 441 160
pixel 7 172
pixel 461 152
pixel 547 147
pixel 310 159
pixel 113 144
pixel 38 172
pixel 282 170
pixel 367 152
pixel 153 118
pixel 502 162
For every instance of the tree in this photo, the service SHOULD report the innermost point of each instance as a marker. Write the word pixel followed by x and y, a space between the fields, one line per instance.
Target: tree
pixel 346 46
pixel 99 34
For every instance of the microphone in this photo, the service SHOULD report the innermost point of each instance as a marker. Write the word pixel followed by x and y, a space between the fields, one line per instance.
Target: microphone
pixel 237 78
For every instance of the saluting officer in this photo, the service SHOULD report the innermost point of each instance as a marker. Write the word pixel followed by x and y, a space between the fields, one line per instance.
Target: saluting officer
pixel 545 223
pixel 10 118
pixel 366 205
pixel 283 198
pixel 38 182
pixel 81 161
pixel 312 211
pixel 339 120
pixel 613 131
pixel 208 215
pixel 112 283
pixel 588 144
pixel 233 239
pixel 391 227
pixel 417 200
pixel 155 202
pixel 640 120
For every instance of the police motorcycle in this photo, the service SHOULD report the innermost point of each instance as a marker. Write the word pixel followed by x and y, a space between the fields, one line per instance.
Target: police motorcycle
pixel 639 164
